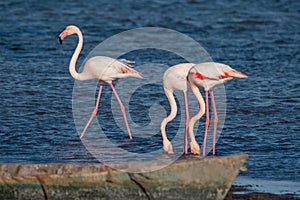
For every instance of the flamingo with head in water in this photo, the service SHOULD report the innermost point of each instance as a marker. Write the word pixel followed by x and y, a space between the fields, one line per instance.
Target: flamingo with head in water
pixel 208 75
pixel 175 78
pixel 101 68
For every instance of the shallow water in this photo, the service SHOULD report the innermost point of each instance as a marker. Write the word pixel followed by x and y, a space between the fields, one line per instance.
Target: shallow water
pixel 260 39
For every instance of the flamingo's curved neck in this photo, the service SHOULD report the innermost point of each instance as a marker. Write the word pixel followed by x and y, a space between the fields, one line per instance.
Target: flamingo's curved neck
pixel 72 66
pixel 201 112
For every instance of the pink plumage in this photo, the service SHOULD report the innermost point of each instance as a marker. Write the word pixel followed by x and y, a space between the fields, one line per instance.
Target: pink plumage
pixel 175 78
pixel 208 75
pixel 101 68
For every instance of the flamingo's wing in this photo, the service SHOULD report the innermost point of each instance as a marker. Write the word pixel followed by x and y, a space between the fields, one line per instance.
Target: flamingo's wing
pixel 126 62
pixel 125 71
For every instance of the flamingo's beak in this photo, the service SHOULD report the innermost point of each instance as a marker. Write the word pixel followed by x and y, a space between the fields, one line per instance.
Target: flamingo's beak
pixel 62 36
pixel 60 40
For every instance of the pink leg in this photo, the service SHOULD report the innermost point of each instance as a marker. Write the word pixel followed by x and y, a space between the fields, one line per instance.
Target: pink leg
pixel 206 122
pixel 187 120
pixel 122 109
pixel 215 121
pixel 94 111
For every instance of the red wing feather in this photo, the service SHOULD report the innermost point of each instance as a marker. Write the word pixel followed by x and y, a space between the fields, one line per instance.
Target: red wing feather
pixel 202 77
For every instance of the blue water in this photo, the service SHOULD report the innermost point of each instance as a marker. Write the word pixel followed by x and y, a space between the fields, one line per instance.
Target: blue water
pixel 259 38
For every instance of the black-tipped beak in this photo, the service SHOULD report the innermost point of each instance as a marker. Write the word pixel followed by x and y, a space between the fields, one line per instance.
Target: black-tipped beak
pixel 60 40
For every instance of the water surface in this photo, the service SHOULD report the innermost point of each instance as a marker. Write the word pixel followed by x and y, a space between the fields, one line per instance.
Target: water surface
pixel 259 38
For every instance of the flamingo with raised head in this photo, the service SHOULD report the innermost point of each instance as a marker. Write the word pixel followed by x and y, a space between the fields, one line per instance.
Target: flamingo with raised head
pixel 175 78
pixel 208 75
pixel 101 68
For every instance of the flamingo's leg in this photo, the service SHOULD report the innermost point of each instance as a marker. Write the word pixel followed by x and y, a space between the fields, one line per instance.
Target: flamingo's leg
pixel 215 121
pixel 187 121
pixel 94 111
pixel 122 109
pixel 206 122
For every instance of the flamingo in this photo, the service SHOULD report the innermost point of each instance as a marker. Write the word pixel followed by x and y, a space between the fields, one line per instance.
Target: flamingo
pixel 101 68
pixel 175 78
pixel 208 75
